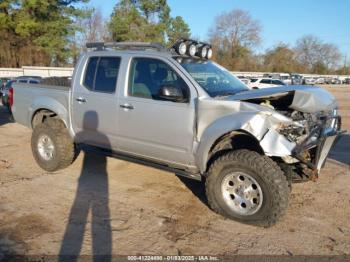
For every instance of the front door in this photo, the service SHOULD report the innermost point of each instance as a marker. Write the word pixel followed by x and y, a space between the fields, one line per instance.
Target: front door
pixel 94 102
pixel 150 126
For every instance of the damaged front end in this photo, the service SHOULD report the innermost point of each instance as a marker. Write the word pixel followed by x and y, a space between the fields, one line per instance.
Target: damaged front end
pixel 294 125
pixel 314 138
pixel 313 130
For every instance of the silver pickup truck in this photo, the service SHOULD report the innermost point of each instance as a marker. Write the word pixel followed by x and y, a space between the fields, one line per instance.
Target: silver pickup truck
pixel 177 110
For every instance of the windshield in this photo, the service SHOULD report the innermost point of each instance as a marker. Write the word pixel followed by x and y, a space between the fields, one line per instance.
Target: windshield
pixel 213 78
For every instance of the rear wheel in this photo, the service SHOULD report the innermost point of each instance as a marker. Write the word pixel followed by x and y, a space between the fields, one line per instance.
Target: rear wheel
pixel 52 147
pixel 247 187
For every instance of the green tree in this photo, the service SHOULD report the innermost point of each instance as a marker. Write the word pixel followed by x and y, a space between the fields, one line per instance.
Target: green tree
pixel 38 31
pixel 145 20
pixel 127 23
pixel 178 29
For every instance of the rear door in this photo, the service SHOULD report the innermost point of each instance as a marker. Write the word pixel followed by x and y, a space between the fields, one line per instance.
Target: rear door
pixel 149 126
pixel 94 102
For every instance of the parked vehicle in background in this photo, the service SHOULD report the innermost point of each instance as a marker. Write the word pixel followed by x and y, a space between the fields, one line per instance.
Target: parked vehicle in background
pixel 336 81
pixel 309 81
pixel 320 81
pixel 260 83
pixel 7 87
pixel 347 81
pixel 244 80
pixel 328 80
pixel 174 110
pixel 5 94
pixel 29 79
pixel 297 79
pixel 3 82
pixel 286 78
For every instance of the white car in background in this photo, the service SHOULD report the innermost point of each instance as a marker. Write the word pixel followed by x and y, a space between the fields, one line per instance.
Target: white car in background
pixel 244 80
pixel 260 83
pixel 309 81
pixel 286 78
pixel 320 81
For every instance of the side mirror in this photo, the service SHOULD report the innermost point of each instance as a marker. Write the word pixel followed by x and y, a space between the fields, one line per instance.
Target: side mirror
pixel 171 93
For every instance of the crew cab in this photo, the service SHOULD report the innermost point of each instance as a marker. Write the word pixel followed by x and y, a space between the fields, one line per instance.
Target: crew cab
pixel 177 110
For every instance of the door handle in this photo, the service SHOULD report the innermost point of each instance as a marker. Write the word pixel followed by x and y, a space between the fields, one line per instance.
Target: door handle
pixel 127 106
pixel 81 99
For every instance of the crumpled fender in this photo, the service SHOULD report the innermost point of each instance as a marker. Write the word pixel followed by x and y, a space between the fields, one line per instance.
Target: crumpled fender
pixel 217 118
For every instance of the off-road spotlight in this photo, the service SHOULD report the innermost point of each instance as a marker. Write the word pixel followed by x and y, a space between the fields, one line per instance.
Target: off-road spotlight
pixel 192 50
pixel 203 52
pixel 210 53
pixel 182 48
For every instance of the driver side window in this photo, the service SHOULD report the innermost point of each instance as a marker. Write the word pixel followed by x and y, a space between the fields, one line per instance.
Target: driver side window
pixel 147 76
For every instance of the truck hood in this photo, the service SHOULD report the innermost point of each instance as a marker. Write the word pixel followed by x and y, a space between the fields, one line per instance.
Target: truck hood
pixel 308 99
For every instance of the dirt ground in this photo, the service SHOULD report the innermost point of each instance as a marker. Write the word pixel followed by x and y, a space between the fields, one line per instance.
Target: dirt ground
pixel 104 206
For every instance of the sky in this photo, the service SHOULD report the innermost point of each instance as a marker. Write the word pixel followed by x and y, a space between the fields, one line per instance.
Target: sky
pixel 281 20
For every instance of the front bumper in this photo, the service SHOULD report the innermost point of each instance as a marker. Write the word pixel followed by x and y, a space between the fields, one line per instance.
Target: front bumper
pixel 314 154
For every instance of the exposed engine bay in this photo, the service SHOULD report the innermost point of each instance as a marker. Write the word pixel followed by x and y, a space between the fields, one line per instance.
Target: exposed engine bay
pixel 308 130
pixel 295 125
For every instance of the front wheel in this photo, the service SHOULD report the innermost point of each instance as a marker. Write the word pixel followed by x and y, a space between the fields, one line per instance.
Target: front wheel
pixel 247 187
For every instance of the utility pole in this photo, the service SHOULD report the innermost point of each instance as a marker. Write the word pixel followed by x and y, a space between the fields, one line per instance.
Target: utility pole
pixel 345 64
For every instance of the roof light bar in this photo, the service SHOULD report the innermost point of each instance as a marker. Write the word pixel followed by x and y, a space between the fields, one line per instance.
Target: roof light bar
pixel 193 48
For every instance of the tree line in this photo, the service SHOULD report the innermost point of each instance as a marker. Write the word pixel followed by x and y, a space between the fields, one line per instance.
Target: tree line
pixel 54 33
pixel 236 34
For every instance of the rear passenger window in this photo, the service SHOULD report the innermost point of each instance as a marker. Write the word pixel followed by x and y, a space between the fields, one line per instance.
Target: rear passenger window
pixel 102 74
pixel 90 73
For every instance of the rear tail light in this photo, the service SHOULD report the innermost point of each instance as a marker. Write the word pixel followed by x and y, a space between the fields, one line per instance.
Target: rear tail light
pixel 11 96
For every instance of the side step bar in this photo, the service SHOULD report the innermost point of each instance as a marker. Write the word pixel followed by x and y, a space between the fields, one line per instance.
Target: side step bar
pixel 136 160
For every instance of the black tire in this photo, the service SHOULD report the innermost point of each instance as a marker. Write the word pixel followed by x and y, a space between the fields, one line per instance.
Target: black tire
pixel 64 152
pixel 268 175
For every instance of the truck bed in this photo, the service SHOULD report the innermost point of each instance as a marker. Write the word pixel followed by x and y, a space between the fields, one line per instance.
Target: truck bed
pixel 28 98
